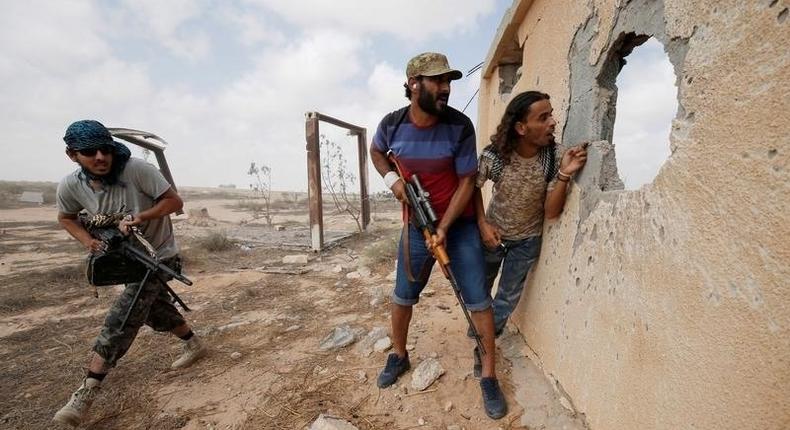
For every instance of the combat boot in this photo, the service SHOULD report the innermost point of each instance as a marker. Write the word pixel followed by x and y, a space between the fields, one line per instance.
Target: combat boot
pixel 193 351
pixel 77 407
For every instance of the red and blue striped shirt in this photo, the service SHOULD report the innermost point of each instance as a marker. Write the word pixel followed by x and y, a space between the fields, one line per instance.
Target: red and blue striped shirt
pixel 440 154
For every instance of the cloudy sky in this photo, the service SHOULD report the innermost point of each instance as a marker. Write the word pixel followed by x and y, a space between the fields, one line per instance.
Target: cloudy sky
pixel 224 82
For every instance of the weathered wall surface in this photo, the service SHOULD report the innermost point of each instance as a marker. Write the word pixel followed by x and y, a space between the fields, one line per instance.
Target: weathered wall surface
pixel 667 307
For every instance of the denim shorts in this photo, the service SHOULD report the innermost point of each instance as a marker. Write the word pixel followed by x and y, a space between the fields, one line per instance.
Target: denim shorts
pixel 466 261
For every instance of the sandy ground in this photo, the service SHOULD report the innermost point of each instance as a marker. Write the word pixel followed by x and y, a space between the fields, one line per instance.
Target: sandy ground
pixel 264 321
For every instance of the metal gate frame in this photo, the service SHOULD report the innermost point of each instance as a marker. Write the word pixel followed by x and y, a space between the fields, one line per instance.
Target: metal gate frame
pixel 315 198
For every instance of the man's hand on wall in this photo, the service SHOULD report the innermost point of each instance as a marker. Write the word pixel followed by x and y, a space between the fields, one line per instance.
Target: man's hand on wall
pixel 573 159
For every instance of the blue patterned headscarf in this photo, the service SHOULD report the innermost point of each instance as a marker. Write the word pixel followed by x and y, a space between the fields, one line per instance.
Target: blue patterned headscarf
pixel 88 134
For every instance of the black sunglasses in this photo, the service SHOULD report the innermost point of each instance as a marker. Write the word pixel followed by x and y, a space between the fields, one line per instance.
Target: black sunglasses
pixel 90 152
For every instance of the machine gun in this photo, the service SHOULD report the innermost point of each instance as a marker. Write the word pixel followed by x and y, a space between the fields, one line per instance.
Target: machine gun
pixel 424 218
pixel 124 263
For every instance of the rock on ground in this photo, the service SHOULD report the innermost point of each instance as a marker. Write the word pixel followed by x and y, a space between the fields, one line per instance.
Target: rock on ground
pixel 365 346
pixel 382 345
pixel 339 337
pixel 324 422
pixel 296 259
pixel 426 372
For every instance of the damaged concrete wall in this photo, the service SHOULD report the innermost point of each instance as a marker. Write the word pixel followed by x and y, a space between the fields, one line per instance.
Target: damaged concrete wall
pixel 665 307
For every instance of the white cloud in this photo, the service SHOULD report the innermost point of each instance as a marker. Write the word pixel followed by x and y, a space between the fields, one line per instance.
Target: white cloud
pixel 65 61
pixel 44 37
pixel 166 22
pixel 252 29
pixel 406 19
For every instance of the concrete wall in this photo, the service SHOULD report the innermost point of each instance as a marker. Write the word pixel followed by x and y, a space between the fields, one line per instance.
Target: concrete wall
pixel 667 307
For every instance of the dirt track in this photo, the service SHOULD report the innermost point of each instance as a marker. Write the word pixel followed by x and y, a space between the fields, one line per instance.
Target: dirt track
pixel 265 369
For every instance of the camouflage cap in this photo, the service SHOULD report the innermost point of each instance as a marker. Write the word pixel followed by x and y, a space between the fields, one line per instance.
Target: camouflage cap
pixel 431 64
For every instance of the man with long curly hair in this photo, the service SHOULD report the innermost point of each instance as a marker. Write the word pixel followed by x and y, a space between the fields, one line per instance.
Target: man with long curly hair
pixel 528 188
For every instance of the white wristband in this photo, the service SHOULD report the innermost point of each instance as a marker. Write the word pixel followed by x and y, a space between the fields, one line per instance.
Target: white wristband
pixel 391 178
pixel 564 174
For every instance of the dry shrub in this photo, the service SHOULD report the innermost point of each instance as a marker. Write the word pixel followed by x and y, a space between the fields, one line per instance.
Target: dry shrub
pixel 216 241
pixel 382 250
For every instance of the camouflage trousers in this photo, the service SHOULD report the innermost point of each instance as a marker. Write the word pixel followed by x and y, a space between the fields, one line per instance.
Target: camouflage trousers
pixel 153 308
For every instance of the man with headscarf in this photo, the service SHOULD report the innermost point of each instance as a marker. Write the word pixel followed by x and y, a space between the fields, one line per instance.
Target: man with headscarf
pixel 110 181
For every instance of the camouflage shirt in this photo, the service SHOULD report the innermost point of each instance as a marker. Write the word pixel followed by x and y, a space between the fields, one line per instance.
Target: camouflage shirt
pixel 516 207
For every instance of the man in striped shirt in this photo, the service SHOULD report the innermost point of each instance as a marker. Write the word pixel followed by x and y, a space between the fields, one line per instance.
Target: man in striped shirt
pixel 437 142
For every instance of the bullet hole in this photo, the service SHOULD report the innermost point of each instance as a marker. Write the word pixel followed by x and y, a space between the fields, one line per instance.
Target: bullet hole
pixel 578 281
pixel 782 16
pixel 661 232
pixel 589 260
pixel 690 116
pixel 772 153
pixel 690 80
pixel 773 3
pixel 594 234
pixel 647 328
pixel 611 235
pixel 567 302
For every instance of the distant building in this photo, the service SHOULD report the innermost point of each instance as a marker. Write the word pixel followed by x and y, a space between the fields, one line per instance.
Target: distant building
pixel 32 197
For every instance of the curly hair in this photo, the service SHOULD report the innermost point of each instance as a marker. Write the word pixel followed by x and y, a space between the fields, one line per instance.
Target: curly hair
pixel 505 140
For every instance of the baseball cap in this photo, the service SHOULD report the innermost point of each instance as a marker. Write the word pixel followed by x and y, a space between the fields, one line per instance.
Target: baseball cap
pixel 431 64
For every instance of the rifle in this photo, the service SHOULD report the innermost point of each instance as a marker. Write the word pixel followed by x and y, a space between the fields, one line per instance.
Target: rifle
pixel 123 262
pixel 424 219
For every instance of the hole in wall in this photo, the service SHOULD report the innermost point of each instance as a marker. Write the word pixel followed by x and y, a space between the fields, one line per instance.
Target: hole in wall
pixel 644 102
pixel 510 67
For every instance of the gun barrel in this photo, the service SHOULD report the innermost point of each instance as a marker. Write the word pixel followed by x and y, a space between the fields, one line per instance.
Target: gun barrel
pixel 152 264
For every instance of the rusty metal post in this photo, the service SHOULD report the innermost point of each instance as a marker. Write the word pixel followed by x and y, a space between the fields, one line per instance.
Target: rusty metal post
pixel 363 177
pixel 314 181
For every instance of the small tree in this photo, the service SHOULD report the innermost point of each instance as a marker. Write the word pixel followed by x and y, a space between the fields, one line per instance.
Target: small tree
pixel 262 186
pixel 337 180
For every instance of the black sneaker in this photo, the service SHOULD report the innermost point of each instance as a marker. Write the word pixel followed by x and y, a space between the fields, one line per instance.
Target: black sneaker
pixel 477 368
pixel 493 399
pixel 395 367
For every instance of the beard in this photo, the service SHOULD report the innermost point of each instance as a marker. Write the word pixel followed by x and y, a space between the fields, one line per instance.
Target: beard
pixel 430 103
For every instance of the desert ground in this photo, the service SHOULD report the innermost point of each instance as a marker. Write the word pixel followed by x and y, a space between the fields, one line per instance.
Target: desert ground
pixel 265 304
